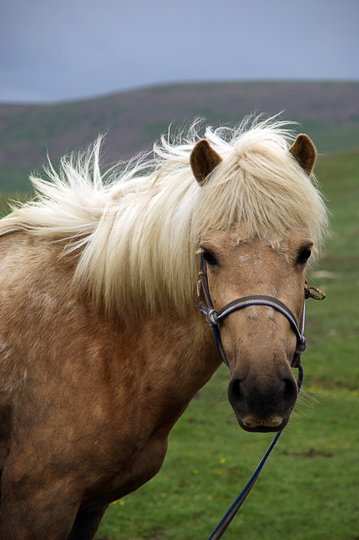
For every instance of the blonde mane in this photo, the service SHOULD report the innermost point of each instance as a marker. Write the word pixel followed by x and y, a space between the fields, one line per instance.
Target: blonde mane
pixel 135 230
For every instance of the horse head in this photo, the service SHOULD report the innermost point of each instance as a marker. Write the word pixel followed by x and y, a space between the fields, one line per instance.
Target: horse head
pixel 258 342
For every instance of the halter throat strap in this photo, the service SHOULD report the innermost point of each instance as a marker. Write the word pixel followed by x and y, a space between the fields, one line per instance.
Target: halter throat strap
pixel 214 317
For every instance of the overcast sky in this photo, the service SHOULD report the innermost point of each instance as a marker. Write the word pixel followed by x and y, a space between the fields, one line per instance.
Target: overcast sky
pixel 55 50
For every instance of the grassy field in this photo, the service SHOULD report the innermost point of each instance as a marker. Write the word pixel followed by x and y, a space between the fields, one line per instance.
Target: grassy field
pixel 309 487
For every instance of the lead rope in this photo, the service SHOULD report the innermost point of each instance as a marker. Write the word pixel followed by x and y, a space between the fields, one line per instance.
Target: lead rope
pixel 213 319
pixel 222 526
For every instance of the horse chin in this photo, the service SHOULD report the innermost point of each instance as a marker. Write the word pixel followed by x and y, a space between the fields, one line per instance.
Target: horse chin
pixel 263 426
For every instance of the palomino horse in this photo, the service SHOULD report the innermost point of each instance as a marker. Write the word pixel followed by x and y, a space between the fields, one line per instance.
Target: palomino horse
pixel 102 345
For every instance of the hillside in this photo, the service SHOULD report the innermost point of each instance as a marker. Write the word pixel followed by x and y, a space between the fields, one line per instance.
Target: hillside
pixel 327 111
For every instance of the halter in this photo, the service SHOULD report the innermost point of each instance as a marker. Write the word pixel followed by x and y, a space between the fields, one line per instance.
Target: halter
pixel 214 317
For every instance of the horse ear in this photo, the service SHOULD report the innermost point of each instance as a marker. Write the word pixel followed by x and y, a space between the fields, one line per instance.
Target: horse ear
pixel 203 160
pixel 303 150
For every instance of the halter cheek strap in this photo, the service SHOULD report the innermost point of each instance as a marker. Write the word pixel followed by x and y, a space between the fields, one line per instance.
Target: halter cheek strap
pixel 214 317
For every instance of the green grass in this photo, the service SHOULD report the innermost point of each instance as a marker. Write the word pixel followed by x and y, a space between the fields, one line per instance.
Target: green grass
pixel 15 179
pixel 333 138
pixel 308 489
pixel 6 200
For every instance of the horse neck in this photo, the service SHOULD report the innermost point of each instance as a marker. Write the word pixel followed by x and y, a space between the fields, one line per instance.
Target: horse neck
pixel 178 352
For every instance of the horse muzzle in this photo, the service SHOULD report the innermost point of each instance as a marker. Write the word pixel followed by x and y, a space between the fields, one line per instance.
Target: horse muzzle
pixel 254 425
pixel 262 408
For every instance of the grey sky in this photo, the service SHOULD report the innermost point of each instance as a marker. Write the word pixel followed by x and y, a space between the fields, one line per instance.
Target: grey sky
pixel 52 50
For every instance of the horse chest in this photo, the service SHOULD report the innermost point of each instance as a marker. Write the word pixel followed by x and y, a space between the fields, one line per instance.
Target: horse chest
pixel 136 467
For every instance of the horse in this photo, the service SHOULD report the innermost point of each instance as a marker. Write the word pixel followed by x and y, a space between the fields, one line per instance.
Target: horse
pixel 102 345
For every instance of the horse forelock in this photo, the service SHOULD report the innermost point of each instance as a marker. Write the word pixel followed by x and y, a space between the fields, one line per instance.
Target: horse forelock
pixel 260 189
pixel 135 231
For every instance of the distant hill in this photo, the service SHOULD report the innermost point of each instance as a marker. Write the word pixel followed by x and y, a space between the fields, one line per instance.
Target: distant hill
pixel 133 120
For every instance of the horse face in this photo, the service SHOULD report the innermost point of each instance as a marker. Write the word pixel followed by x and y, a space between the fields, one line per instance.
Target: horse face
pixel 259 341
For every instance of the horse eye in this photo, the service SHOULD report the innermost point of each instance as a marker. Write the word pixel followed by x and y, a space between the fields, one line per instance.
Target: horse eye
pixel 304 255
pixel 209 258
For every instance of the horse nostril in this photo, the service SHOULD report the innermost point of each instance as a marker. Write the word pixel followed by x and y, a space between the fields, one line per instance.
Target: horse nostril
pixel 234 392
pixel 281 397
pixel 290 393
